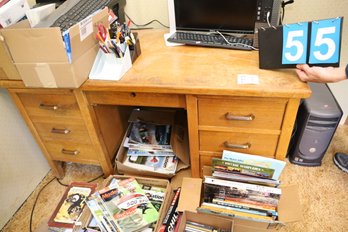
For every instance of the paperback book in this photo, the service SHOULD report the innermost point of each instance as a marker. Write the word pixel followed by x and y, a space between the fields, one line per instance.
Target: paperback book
pixel 129 205
pixel 255 160
pixel 241 168
pixel 71 205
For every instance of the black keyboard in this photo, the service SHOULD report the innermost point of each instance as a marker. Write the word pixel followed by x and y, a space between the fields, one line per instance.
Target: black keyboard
pixel 212 40
pixel 78 12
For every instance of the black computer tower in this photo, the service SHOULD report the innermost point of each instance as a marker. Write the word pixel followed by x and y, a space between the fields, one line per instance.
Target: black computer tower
pixel 316 123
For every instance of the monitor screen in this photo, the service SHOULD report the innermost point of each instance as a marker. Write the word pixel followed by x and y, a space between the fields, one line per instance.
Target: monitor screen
pixel 235 16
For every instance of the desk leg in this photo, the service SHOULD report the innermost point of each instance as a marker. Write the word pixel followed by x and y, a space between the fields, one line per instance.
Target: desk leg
pixel 89 116
pixel 287 128
pixel 192 121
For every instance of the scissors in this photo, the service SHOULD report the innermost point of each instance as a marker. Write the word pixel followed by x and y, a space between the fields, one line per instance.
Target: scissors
pixel 102 34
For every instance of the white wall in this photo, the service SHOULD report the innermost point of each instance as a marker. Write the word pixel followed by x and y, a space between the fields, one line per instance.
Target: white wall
pixel 143 11
pixel 22 164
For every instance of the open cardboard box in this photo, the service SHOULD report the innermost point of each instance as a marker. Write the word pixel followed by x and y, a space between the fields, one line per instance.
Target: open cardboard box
pixel 289 208
pixel 40 56
pixel 86 215
pixel 179 141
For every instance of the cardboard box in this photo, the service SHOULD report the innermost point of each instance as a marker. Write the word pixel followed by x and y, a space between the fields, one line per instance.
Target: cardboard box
pixel 289 208
pixel 7 68
pixel 210 220
pixel 40 56
pixel 87 216
pixel 179 141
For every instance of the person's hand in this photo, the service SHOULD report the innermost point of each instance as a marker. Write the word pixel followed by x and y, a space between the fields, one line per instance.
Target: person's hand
pixel 320 74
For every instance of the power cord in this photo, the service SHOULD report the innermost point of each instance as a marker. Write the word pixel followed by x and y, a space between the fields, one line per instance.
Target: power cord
pixel 284 3
pixel 37 197
pixel 245 45
pixel 146 24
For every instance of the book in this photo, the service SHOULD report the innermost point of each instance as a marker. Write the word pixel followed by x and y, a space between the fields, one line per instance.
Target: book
pixel 162 164
pixel 128 204
pixel 241 168
pixel 228 212
pixel 150 133
pixel 155 194
pixel 71 205
pixel 172 214
pixel 255 160
pixel 246 179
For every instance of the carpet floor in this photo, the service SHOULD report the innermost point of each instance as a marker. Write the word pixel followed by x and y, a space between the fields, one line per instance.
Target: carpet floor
pixel 323 193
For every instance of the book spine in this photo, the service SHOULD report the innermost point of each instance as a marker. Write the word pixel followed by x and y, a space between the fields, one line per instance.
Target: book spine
pixel 244 186
pixel 171 211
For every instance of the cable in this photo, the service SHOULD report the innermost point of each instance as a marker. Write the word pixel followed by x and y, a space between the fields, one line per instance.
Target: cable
pixel 146 24
pixel 283 9
pixel 37 197
pixel 32 210
pixel 245 45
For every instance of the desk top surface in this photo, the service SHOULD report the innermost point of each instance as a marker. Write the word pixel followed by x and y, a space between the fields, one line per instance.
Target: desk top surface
pixel 199 70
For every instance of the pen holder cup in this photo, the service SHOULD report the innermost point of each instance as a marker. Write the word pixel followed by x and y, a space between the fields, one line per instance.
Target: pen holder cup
pixel 109 67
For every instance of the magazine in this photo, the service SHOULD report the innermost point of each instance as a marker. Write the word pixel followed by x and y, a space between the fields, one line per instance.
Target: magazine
pixel 241 168
pixel 255 160
pixel 162 164
pixel 128 204
pixel 149 133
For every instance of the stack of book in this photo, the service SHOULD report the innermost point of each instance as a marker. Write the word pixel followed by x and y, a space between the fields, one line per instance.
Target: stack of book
pixel 244 186
pixel 149 148
pixel 126 206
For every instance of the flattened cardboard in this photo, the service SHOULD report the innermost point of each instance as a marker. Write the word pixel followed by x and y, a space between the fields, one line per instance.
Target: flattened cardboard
pixel 49 67
pixel 179 141
pixel 190 196
pixel 210 220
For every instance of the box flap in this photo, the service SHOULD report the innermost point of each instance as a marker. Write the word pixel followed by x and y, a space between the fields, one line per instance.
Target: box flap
pixel 190 194
pixel 289 207
pixel 36 45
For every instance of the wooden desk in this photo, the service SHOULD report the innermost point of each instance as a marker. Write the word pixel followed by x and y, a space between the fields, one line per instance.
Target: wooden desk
pixel 86 125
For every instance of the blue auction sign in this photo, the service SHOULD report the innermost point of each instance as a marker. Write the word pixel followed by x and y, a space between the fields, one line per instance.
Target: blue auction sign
pixel 295 38
pixel 325 41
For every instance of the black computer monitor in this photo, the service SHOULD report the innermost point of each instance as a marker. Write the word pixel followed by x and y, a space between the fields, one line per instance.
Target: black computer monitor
pixel 233 16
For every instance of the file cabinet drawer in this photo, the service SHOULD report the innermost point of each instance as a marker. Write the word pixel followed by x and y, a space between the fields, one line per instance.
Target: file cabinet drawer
pixel 50 105
pixel 72 152
pixel 63 131
pixel 260 144
pixel 241 112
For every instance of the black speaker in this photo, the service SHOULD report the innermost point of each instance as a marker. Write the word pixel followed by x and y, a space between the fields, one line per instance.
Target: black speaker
pixel 316 122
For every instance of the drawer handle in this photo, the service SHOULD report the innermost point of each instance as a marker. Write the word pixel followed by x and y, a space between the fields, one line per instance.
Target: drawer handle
pixel 237 146
pixel 70 152
pixel 60 131
pixel 230 116
pixel 48 107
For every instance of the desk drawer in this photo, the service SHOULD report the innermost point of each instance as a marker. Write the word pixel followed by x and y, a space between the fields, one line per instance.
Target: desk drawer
pixel 72 152
pixel 260 144
pixel 50 105
pixel 137 99
pixel 241 112
pixel 64 131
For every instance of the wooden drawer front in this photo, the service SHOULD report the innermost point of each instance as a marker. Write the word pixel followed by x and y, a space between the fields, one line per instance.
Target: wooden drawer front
pixel 205 160
pixel 261 144
pixel 72 152
pixel 50 105
pixel 136 99
pixel 241 112
pixel 69 132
